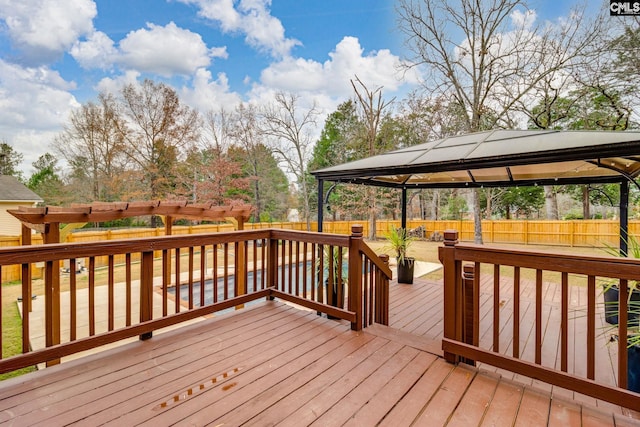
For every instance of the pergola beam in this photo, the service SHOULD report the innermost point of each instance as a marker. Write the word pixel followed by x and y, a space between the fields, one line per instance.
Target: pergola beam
pixel 36 218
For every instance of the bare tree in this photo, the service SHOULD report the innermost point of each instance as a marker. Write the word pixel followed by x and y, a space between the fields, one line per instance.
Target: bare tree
pixel 288 126
pixel 500 55
pixel 371 106
pixel 159 130
pixel 246 134
pixel 91 142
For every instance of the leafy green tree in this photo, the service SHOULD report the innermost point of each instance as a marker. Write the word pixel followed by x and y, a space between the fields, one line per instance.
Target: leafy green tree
pixel 455 208
pixel 341 130
pixel 46 182
pixel 10 159
pixel 266 181
pixel 337 144
pixel 590 107
pixel 521 201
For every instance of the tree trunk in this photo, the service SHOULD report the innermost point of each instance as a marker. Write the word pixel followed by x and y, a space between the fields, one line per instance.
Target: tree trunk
pixel 372 213
pixel 551 202
pixel 586 211
pixel 477 217
pixel 489 193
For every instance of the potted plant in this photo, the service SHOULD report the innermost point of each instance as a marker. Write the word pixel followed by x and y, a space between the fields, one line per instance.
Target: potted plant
pixel 333 269
pixel 399 242
pixel 611 293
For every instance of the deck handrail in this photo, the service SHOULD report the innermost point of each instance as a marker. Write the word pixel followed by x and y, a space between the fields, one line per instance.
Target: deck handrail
pixel 231 268
pixel 463 265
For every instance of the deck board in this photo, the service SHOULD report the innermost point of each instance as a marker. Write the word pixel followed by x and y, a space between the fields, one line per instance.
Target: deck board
pixel 123 383
pixel 474 405
pixel 271 363
pixel 504 406
pixel 447 397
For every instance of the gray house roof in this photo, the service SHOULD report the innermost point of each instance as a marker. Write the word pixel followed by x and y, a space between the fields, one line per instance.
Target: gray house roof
pixel 12 190
pixel 499 158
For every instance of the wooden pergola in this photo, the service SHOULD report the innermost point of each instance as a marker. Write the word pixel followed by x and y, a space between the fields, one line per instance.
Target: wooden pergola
pixel 47 220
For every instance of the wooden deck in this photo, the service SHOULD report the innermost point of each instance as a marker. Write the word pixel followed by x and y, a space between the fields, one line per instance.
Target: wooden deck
pixel 272 364
pixel 417 310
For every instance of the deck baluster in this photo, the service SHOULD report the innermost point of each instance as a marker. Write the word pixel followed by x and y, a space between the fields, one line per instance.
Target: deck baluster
pixel 516 312
pixel 471 308
pixel 496 305
pixel 92 296
pixel 110 290
pixel 177 282
pixel 128 288
pixel 146 291
pixel 623 324
pixel 72 300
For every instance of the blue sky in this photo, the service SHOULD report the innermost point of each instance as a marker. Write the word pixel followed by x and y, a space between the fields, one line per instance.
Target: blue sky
pixel 57 54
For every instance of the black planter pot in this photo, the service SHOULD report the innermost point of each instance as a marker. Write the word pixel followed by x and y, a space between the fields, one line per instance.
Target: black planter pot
pixel 405 270
pixel 633 368
pixel 611 296
pixel 334 297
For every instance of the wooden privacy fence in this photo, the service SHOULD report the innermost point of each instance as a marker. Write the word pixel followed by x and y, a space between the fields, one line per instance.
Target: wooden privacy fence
pixel 589 233
pixel 583 233
pixel 489 314
pixel 219 271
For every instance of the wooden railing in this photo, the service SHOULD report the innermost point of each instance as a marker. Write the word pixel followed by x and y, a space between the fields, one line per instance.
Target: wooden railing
pixel 153 283
pixel 485 319
pixel 582 233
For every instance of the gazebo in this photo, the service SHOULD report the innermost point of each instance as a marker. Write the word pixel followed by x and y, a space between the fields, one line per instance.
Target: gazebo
pixel 500 158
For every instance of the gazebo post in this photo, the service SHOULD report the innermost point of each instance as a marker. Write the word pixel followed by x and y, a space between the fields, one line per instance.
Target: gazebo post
pixel 320 204
pixel 624 217
pixel 403 221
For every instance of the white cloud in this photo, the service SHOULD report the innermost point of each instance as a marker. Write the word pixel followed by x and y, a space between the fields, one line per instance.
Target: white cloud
pixel 207 94
pixel 166 50
pixel 44 29
pixel 380 68
pixel 325 85
pixel 97 51
pixel 34 104
pixel 252 18
pixel 523 19
pixel 114 85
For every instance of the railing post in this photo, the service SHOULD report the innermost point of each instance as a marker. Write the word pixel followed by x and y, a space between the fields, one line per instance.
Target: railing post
pixel 52 293
pixel 146 291
pixel 355 276
pixel 27 305
pixel 452 291
pixel 471 307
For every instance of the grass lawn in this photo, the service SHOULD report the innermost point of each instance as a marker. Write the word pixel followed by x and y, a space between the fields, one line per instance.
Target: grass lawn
pixel 12 327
